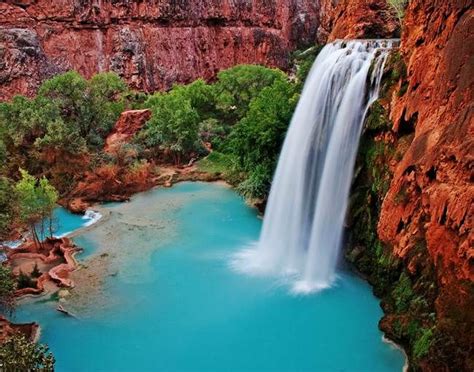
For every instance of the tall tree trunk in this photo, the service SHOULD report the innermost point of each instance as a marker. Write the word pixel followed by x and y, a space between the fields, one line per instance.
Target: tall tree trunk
pixel 35 236
pixel 51 225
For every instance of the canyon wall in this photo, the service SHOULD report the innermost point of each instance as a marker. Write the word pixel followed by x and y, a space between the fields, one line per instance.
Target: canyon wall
pixel 151 43
pixel 418 154
pixel 436 105
pixel 356 19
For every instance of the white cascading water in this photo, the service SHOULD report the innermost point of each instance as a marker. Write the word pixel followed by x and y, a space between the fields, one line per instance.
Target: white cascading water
pixel 303 225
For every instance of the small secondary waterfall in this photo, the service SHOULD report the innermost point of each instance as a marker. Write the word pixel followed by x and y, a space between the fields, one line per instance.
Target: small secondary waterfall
pixel 303 225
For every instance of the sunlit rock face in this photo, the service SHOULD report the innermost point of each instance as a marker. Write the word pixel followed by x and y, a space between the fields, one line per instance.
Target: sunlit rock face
pixel 436 108
pixel 152 44
pixel 430 202
pixel 129 123
pixel 356 19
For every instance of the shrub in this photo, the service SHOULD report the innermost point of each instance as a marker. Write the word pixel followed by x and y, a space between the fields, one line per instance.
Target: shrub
pixel 25 281
pixel 402 293
pixel 238 86
pixel 35 273
pixel 257 184
pixel 398 7
pixel 20 354
pixel 423 343
pixel 7 289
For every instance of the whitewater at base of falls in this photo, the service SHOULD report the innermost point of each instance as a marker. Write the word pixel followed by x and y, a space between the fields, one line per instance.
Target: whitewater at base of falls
pixel 303 225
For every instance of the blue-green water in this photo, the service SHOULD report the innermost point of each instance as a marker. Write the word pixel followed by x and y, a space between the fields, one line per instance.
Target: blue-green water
pixel 64 222
pixel 170 302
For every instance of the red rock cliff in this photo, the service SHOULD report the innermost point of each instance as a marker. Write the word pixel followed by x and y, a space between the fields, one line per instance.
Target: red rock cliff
pixel 152 44
pixel 356 19
pixel 430 202
pixel 437 170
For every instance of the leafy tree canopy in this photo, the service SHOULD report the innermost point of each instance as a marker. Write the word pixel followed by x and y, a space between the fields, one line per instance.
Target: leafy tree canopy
pixel 238 86
pixel 20 354
pixel 36 201
pixel 7 289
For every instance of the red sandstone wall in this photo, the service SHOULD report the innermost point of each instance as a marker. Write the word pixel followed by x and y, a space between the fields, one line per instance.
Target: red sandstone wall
pixel 151 43
pixel 437 170
pixel 356 19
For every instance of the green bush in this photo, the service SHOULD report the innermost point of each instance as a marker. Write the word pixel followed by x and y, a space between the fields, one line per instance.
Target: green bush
pixel 423 343
pixel 35 273
pixel 7 289
pixel 25 281
pixel 238 86
pixel 174 125
pixel 257 183
pixel 257 139
pixel 20 354
pixel 402 293
pixel 398 7
pixel 7 205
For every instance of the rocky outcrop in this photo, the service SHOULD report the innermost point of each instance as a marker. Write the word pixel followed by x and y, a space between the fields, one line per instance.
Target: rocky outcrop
pixel 129 123
pixel 356 19
pixel 7 329
pixel 427 215
pixel 151 44
pixel 55 259
pixel 436 105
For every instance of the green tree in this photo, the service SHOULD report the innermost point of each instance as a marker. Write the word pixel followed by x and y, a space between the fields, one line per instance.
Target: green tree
pixel 238 86
pixel 68 91
pixel 7 205
pixel 174 125
pixel 22 121
pixel 36 201
pixel 88 107
pixel 7 289
pixel 20 354
pixel 106 96
pixel 200 95
pixel 257 139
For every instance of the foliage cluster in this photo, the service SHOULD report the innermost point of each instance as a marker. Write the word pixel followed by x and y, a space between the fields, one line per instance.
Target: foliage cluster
pixel 303 60
pixel 398 7
pixel 36 200
pixel 7 289
pixel 243 115
pixel 20 354
pixel 69 115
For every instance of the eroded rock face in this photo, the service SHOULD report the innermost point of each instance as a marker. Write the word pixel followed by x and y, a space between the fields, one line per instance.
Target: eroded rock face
pixel 430 203
pixel 356 19
pixel 7 329
pixel 129 123
pixel 436 173
pixel 151 44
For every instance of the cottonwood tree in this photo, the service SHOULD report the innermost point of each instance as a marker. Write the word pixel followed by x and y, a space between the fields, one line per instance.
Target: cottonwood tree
pixel 36 201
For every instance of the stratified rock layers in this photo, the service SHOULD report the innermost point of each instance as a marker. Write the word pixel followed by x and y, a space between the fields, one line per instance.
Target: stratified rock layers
pixel 152 44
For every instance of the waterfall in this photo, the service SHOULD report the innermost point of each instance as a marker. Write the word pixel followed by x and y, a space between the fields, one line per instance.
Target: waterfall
pixel 303 225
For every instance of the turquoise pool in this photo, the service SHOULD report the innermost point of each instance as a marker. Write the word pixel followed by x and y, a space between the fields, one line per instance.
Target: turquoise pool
pixel 171 302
